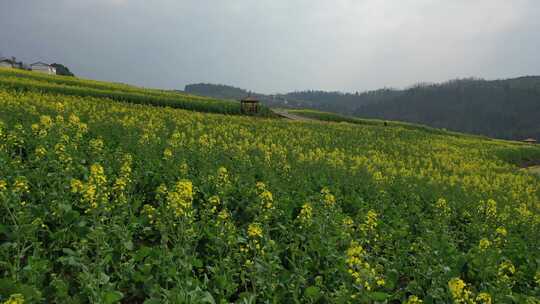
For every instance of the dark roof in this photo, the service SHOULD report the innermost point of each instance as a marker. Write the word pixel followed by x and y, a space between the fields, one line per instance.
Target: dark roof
pixel 7 60
pixel 250 99
pixel 40 63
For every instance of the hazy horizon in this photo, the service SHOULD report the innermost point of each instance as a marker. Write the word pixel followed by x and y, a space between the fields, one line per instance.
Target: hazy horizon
pixel 277 46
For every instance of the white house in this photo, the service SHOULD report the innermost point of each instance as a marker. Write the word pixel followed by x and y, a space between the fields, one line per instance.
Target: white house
pixel 43 68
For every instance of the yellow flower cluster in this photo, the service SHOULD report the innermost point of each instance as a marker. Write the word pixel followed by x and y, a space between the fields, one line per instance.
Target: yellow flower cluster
pixel 506 271
pixel 21 185
pixel 150 213
pixel 224 215
pixel 123 179
pixel 76 186
pixel 462 293
pixel 489 208
pixel 94 192
pixel 15 299
pixel 40 152
pixel 167 153
pixel 501 234
pixel 222 177
pixel 254 230
pixel 328 198
pixel 483 298
pixel 3 185
pixel 265 196
pixel 96 145
pixel 484 244
pixel 414 300
pixel 363 274
pixel 63 156
pixel 215 202
pixel 76 124
pixel 442 207
pixel 179 200
pixel 370 223
pixel 306 213
pixel 46 121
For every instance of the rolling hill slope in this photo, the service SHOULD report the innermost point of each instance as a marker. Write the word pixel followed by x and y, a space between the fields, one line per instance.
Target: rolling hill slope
pixel 31 81
pixel 106 201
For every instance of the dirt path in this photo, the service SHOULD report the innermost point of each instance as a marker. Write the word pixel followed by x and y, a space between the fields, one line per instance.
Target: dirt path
pixel 283 113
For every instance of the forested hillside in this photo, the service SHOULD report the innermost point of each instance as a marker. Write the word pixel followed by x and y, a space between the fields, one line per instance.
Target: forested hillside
pixel 503 109
pixel 499 108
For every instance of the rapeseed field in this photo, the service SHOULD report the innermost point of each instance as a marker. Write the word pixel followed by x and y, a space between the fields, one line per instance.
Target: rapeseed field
pixel 104 202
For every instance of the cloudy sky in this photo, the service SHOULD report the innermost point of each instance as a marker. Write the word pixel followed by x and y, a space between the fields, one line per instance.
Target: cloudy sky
pixel 277 45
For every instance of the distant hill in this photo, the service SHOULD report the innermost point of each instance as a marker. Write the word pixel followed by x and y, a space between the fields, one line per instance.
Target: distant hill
pixel 500 108
pixel 507 108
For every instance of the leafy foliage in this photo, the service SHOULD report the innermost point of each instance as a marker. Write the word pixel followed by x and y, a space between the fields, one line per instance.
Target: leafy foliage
pixel 62 69
pixel 105 201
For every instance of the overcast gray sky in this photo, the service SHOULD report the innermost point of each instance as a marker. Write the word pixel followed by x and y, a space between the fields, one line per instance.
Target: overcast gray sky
pixel 277 45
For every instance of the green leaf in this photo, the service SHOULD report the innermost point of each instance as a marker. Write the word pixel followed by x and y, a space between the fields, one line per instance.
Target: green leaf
pixel 391 279
pixel 111 297
pixel 197 263
pixel 128 245
pixel 312 292
pixel 378 296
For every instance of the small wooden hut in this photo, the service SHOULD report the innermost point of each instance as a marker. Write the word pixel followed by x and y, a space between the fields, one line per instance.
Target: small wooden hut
pixel 249 104
pixel 530 140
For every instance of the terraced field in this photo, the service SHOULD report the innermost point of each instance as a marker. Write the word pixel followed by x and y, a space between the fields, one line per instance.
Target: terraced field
pixel 30 81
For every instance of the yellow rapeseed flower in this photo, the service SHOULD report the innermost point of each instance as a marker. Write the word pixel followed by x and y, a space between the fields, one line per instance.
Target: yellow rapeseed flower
pixel 328 198
pixel 96 145
pixel 167 153
pixel 21 185
pixel 40 152
pixel 97 174
pixel 306 213
pixel 46 121
pixel 15 299
pixel 254 230
pixel 76 186
pixel 483 298
pixel 484 244
pixel 150 213
pixel 3 185
pixel 414 300
pixel 506 269
pixel 180 198
pixel 260 186
pixel 459 290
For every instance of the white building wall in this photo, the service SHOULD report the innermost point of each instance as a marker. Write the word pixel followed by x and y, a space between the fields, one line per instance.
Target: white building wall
pixel 44 69
pixel 5 65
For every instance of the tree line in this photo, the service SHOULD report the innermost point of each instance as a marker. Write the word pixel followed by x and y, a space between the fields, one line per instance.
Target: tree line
pixel 508 108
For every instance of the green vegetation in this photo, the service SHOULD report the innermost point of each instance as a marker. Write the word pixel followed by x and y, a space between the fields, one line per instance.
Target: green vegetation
pixel 106 202
pixel 334 117
pixel 500 108
pixel 62 69
pixel 64 85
